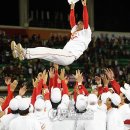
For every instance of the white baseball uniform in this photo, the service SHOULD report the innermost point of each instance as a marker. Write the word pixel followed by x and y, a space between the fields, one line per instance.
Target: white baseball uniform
pixel 24 123
pixel 74 48
pixel 114 120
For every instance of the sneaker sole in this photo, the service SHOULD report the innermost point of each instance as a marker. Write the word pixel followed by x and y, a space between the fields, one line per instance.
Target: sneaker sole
pixel 20 52
pixel 21 57
pixel 15 54
pixel 19 48
pixel 13 45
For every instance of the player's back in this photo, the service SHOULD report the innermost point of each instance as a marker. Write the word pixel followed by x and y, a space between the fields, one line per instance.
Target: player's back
pixel 78 42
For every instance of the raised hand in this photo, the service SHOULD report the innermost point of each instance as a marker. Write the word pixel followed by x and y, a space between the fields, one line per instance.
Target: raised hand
pixel 51 72
pixel 7 80
pixel 44 73
pixel 45 78
pixel 39 76
pixel 83 2
pixel 56 66
pixel 80 79
pixel 62 74
pixel 35 82
pixel 22 90
pixel 72 5
pixel 13 85
pixel 77 74
pixel 98 80
pixel 104 79
pixel 109 73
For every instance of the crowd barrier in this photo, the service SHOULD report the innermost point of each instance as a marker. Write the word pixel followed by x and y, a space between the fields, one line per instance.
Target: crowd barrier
pixel 46 32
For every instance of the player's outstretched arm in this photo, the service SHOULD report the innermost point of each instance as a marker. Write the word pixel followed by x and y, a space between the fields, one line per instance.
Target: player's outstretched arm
pixel 85 14
pixel 72 15
pixel 84 2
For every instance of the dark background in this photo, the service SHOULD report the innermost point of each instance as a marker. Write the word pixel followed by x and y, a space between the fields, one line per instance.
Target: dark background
pixel 9 12
pixel 111 15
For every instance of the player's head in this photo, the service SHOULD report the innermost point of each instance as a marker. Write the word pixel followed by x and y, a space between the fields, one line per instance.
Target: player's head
pixel 80 25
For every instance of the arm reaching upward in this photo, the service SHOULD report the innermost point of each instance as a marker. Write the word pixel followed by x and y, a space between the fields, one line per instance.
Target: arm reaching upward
pixel 85 14
pixel 72 15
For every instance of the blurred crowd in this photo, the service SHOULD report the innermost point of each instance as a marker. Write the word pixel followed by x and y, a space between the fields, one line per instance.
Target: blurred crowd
pixel 50 18
pixel 103 51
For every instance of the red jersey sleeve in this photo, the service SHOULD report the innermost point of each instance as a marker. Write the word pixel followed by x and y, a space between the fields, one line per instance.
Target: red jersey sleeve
pixel 127 122
pixel 33 98
pixel 39 87
pixel 51 83
pixel 85 90
pixel 105 89
pixel 72 18
pixel 115 86
pixel 7 100
pixel 65 88
pixel 85 17
pixel 46 92
pixel 56 78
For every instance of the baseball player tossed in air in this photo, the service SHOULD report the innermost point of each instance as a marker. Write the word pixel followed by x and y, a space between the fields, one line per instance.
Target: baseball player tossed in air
pixel 78 43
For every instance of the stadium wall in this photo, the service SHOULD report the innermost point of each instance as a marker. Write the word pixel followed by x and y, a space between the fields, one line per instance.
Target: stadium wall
pixel 46 32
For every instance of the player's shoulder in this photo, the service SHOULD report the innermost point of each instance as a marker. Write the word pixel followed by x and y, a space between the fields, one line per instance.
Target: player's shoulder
pixel 73 29
pixel 87 29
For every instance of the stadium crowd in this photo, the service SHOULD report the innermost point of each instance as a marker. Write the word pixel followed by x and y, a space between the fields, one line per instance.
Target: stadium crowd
pixel 99 93
pixel 92 93
pixel 103 51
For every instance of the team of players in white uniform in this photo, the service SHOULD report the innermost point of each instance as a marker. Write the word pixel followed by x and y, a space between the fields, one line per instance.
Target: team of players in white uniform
pixel 107 111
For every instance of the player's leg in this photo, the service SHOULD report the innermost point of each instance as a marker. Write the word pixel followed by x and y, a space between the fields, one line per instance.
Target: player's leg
pixel 59 56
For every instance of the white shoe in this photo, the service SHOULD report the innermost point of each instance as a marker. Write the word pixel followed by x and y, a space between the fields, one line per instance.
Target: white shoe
pixel 20 51
pixel 13 45
pixel 17 50
pixel 15 54
pixel 14 49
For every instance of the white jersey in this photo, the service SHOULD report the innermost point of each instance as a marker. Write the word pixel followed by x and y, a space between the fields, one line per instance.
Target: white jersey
pixel 6 119
pixel 44 120
pixel 24 123
pixel 64 125
pixel 94 120
pixel 59 116
pixel 114 120
pixel 79 41
pixel 103 107
pixel 61 120
pixel 124 111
